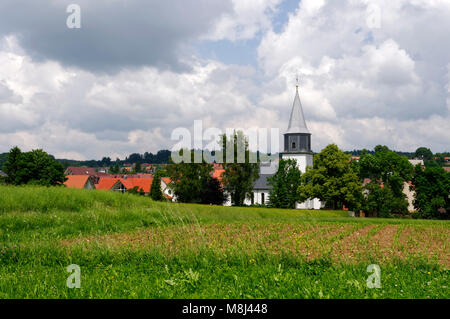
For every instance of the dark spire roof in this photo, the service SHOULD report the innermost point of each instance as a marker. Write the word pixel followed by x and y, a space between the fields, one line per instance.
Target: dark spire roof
pixel 297 122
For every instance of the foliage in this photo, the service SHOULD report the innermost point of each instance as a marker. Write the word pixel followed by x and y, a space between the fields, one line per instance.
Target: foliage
pixel 332 180
pixel 387 171
pixel 240 173
pixel 35 167
pixel 381 202
pixel 189 179
pixel 212 192
pixel 424 153
pixel 137 168
pixel 432 187
pixel 115 169
pixel 155 190
pixel 285 183
pixel 136 191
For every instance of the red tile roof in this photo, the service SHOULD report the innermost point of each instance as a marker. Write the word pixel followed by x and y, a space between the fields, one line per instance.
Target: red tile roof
pixel 76 181
pixel 106 183
pixel 141 183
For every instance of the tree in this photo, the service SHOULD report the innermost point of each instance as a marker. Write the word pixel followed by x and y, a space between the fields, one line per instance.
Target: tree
pixel 212 192
pixel 138 167
pixel 387 171
pixel 432 187
pixel 13 165
pixel 240 173
pixel 284 184
pixel 115 169
pixel 35 167
pixel 424 153
pixel 189 179
pixel 332 180
pixel 380 201
pixel 155 191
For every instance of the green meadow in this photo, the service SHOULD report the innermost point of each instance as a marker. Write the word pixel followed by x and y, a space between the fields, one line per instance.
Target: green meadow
pixel 128 246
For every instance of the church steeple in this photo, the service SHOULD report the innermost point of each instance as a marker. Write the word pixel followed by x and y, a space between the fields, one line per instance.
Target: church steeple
pixel 297 138
pixel 297 122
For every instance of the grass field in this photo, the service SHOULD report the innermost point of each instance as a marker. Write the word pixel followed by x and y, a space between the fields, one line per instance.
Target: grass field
pixel 130 247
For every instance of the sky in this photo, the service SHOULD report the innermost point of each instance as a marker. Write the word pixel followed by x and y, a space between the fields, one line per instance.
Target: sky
pixel 371 72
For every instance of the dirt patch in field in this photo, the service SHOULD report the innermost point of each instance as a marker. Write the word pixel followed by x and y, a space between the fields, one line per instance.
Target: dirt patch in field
pixel 351 246
pixel 426 242
pixel 350 243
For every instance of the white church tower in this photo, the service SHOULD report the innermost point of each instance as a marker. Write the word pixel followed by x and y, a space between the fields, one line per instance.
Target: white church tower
pixel 297 145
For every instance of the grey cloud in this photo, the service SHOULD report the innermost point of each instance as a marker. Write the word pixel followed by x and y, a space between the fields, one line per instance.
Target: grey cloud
pixel 114 34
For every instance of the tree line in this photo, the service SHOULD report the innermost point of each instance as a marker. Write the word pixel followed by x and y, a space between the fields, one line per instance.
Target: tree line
pixel 374 184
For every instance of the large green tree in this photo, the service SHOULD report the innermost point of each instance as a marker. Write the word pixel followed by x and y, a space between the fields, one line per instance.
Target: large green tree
pixel 241 170
pixel 35 167
pixel 189 179
pixel 424 153
pixel 285 183
pixel 432 187
pixel 387 172
pixel 332 180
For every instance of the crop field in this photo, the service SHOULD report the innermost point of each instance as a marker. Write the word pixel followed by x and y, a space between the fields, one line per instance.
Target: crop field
pixel 128 246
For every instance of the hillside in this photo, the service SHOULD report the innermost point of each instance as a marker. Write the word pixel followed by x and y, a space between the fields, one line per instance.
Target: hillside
pixel 130 247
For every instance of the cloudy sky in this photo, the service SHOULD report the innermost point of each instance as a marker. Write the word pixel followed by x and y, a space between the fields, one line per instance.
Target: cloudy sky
pixel 372 72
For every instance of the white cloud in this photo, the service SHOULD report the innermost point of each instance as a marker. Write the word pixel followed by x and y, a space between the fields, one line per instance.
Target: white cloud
pixel 359 86
pixel 362 86
pixel 245 21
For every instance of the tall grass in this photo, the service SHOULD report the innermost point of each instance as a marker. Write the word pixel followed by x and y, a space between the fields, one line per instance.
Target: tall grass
pixel 129 246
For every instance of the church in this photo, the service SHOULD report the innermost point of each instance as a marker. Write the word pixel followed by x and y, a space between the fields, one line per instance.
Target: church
pixel 297 145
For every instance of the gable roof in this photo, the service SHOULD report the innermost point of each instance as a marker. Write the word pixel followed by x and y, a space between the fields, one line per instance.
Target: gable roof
pixel 76 181
pixel 141 183
pixel 106 183
pixel 262 183
pixel 83 170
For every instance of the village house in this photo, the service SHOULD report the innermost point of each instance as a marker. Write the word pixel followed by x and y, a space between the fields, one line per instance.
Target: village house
pixel 80 181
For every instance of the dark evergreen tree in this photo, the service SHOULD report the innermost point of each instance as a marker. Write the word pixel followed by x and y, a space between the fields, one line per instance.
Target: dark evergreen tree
pixel 155 191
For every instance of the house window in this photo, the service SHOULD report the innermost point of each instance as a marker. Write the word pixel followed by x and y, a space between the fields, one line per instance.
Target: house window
pixel 253 198
pixel 262 198
pixel 293 145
